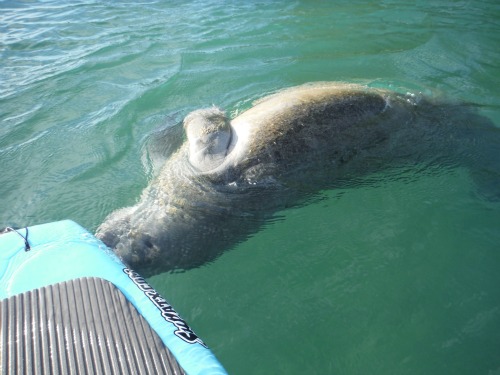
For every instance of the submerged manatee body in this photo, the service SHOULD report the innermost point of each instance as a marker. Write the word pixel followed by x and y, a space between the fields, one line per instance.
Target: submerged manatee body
pixel 232 175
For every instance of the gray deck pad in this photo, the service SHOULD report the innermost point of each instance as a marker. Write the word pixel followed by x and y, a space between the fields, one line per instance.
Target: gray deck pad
pixel 83 326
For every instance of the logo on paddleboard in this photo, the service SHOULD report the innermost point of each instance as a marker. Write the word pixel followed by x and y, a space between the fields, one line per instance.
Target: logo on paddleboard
pixel 167 311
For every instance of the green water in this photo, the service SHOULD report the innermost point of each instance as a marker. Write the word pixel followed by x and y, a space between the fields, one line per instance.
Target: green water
pixel 392 277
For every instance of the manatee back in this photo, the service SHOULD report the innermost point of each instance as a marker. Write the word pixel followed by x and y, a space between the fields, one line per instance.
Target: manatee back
pixel 320 125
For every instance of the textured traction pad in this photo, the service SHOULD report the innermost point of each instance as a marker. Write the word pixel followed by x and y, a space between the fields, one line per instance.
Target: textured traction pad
pixel 83 326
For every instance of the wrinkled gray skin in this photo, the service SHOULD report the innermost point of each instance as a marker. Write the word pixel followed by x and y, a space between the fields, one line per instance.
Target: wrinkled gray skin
pixel 229 177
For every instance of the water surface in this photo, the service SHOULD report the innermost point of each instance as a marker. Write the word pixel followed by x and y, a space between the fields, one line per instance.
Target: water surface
pixel 391 276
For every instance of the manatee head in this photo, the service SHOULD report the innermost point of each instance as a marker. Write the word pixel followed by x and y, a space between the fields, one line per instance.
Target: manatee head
pixel 209 136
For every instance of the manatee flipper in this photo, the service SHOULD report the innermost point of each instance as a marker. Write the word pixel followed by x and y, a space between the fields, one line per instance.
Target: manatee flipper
pixel 209 137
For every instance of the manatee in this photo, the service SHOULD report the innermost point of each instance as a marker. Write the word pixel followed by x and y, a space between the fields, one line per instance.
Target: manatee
pixel 231 176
